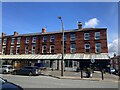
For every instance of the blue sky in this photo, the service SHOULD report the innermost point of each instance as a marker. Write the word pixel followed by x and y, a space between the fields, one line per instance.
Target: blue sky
pixel 31 17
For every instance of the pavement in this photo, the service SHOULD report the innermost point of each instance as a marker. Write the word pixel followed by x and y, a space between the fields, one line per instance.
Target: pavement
pixel 96 76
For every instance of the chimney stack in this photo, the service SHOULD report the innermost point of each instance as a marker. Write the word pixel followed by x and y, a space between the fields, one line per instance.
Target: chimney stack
pixel 79 25
pixel 3 34
pixel 15 33
pixel 43 30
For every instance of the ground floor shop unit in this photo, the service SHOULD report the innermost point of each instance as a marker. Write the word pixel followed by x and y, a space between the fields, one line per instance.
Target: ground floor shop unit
pixel 71 61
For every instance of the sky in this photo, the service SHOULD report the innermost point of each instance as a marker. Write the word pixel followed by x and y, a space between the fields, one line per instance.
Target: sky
pixel 31 17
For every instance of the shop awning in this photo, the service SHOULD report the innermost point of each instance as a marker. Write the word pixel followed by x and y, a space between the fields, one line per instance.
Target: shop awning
pixel 57 56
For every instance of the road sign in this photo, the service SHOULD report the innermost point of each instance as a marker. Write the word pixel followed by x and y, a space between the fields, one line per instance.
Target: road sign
pixel 92 60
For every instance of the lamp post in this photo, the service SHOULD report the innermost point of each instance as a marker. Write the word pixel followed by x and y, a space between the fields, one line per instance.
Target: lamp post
pixel 62 61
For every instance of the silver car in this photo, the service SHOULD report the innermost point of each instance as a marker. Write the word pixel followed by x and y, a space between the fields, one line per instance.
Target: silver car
pixel 6 69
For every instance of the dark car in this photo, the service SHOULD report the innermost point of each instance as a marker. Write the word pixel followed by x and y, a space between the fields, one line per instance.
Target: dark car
pixel 5 85
pixel 28 70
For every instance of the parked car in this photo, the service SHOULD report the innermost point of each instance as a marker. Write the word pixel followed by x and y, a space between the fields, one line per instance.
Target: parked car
pixel 27 70
pixel 40 65
pixel 112 70
pixel 6 69
pixel 5 85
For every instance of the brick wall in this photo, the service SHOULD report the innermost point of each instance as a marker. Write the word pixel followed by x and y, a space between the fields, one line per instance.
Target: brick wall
pixel 58 42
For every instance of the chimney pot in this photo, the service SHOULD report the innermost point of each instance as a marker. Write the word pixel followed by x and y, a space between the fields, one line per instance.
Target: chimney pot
pixel 15 33
pixel 43 30
pixel 79 25
pixel 3 34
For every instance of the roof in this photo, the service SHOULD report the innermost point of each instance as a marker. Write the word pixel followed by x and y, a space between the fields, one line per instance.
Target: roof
pixel 116 57
pixel 72 30
pixel 57 56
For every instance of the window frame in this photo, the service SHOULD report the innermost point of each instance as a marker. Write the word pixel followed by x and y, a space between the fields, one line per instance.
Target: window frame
pixel 18 39
pixel 52 48
pixel 72 48
pixel 87 48
pixel 44 38
pixel 98 48
pixel 26 50
pixel 72 36
pixel 97 35
pixel 34 39
pixel 4 41
pixel 17 49
pixel 44 49
pixel 52 38
pixel 87 37
pixel 27 39
pixel 33 50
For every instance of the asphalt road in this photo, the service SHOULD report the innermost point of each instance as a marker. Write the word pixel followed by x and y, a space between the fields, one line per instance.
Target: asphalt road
pixel 51 82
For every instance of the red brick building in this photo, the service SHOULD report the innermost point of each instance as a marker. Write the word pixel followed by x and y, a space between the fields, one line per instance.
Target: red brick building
pixel 83 44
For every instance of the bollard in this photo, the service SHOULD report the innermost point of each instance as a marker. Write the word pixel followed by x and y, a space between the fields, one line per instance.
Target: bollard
pixel 102 75
pixel 81 74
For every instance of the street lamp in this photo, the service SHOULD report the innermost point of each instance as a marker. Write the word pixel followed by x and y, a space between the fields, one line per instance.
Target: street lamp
pixel 62 61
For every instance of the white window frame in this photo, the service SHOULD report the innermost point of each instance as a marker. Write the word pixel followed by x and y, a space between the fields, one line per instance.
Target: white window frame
pixel 26 51
pixel 44 38
pixel 52 37
pixel 13 39
pixel 18 40
pixel 72 50
pixel 43 48
pixel 97 35
pixel 33 50
pixel 87 47
pixel 17 49
pixel 86 36
pixel 3 49
pixel 72 36
pixel 96 47
pixel 4 40
pixel 34 39
pixel 51 48
pixel 27 39
pixel 11 50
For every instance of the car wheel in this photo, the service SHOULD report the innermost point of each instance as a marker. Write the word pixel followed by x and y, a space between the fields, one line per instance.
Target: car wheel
pixel 4 72
pixel 14 73
pixel 30 74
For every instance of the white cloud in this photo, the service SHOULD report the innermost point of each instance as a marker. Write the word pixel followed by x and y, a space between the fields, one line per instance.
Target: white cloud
pixel 113 47
pixel 91 23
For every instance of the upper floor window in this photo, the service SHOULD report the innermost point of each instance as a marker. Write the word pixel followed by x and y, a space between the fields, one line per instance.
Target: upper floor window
pixel 97 35
pixel 87 48
pixel 98 47
pixel 73 48
pixel 86 36
pixel 33 49
pixel 4 41
pixel 65 37
pixel 52 38
pixel 33 39
pixel 44 38
pixel 3 49
pixel 11 49
pixel 26 50
pixel 27 39
pixel 52 49
pixel 44 49
pixel 17 49
pixel 72 37
pixel 18 40
pixel 13 41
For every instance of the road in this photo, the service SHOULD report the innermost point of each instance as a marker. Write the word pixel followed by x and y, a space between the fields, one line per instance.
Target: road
pixel 51 82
